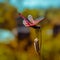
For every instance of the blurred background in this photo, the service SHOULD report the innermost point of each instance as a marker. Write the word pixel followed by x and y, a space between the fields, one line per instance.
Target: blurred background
pixel 17 41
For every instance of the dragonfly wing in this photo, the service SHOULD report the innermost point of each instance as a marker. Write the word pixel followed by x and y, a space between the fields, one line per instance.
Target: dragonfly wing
pixel 30 18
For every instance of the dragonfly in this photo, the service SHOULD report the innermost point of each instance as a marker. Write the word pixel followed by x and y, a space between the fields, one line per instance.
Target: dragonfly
pixel 33 23
pixel 30 22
